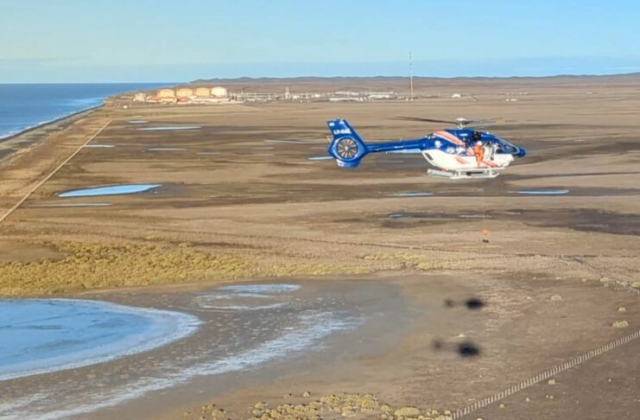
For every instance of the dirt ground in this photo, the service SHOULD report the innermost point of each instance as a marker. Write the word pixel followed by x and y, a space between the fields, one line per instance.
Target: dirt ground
pixel 240 201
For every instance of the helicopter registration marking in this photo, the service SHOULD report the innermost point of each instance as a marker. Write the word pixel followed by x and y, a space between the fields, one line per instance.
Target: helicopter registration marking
pixel 342 131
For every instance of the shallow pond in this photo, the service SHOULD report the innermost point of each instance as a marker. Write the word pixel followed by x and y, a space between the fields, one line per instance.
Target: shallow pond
pixel 38 336
pixel 110 190
pixel 171 128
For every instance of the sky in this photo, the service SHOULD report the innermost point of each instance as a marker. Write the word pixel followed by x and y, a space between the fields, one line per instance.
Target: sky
pixel 46 41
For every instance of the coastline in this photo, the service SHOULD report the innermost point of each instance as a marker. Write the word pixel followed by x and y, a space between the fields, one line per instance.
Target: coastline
pixel 27 137
pixel 48 123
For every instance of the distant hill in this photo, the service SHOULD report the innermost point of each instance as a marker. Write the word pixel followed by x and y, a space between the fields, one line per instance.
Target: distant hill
pixel 422 85
pixel 391 79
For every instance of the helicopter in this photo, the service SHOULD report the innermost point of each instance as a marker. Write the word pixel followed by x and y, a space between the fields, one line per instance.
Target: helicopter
pixel 450 151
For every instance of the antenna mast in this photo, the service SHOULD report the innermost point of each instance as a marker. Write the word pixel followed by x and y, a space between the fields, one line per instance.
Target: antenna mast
pixel 411 73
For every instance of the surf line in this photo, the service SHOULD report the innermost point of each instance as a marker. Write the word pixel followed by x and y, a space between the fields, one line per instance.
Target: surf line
pixel 48 177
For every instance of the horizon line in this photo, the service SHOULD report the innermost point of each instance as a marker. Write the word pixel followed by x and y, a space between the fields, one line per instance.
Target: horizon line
pixel 558 75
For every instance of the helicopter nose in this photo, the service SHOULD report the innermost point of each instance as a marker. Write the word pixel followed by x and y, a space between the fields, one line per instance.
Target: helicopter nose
pixel 521 153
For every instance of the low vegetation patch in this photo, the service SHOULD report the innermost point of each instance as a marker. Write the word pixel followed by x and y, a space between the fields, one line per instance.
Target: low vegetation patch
pixel 404 259
pixel 87 266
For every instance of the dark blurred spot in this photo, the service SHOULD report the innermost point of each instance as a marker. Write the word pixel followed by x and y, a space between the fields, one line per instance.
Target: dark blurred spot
pixel 474 303
pixel 486 241
pixel 449 303
pixel 437 344
pixel 468 350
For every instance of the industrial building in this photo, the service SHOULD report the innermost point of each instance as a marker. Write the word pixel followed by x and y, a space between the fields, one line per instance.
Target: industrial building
pixel 166 93
pixel 202 92
pixel 140 97
pixel 219 92
pixel 184 93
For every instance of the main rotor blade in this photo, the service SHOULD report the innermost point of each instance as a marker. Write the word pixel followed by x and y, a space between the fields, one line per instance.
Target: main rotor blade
pixel 424 120
pixel 476 122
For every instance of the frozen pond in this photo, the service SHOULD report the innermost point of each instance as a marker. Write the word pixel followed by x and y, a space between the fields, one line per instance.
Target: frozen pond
pixel 38 336
pixel 111 190
pixel 244 332
pixel 247 297
pixel 72 205
pixel 540 192
pixel 412 194
pixel 171 128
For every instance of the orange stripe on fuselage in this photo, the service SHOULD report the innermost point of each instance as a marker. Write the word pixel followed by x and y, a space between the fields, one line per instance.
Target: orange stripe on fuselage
pixel 448 136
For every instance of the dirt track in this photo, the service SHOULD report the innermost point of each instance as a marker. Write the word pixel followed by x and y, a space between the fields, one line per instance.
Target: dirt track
pixel 258 208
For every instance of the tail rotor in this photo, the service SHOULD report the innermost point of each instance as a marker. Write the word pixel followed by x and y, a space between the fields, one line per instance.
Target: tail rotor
pixel 346 147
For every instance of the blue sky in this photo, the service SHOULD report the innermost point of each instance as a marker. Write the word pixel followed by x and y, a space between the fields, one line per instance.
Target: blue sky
pixel 169 40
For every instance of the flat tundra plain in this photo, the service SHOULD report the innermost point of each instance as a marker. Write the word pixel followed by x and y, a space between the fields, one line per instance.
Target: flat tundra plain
pixel 239 200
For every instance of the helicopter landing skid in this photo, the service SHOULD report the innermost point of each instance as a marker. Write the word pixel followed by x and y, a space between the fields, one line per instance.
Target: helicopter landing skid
pixel 463 174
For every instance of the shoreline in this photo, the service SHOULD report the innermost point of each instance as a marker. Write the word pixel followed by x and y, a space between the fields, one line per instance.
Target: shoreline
pixel 15 143
pixel 50 122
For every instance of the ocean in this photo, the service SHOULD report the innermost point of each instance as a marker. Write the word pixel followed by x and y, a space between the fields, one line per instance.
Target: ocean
pixel 24 106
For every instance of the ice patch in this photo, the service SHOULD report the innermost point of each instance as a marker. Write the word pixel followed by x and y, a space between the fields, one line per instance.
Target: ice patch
pixel 412 194
pixel 171 128
pixel 72 205
pixel 245 297
pixel 260 288
pixel 540 192
pixel 321 158
pixel 311 329
pixel 39 336
pixel 137 122
pixel 100 145
pixel 111 190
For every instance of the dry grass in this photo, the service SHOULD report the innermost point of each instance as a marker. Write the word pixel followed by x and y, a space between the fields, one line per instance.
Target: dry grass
pixel 87 266
pixel 312 269
pixel 404 259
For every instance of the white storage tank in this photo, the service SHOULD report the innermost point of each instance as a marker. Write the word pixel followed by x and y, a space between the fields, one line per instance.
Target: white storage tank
pixel 219 92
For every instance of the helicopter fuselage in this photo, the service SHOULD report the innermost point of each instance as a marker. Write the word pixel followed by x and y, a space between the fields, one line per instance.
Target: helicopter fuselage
pixel 449 149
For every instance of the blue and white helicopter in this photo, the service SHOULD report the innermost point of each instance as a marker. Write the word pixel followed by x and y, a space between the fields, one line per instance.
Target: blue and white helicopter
pixel 451 151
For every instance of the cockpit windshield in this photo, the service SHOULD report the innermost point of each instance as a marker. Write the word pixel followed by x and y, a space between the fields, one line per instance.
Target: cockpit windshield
pixel 506 147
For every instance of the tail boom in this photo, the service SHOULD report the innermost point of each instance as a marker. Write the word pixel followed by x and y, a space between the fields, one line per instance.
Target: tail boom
pixel 348 148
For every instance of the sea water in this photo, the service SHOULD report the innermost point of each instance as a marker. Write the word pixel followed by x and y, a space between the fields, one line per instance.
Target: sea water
pixel 23 106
